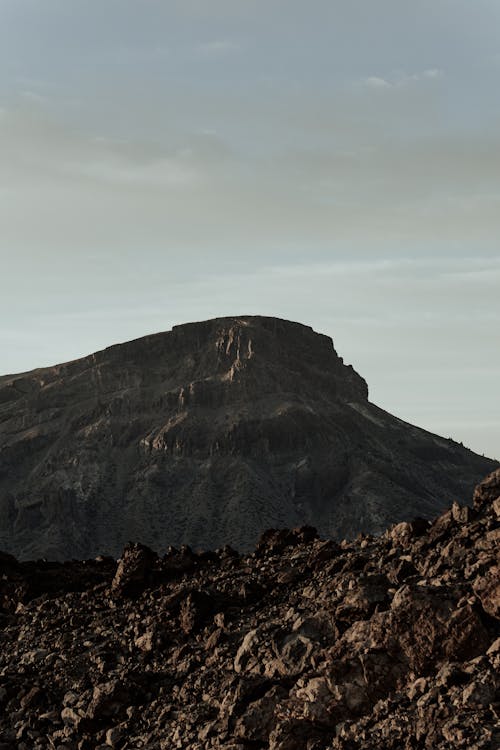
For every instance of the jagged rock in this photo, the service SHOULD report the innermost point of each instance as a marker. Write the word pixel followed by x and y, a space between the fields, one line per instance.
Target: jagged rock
pixel 207 435
pixel 276 540
pixel 146 642
pixel 114 736
pixel 381 642
pixel 133 569
pixel 246 651
pixel 488 490
pixel 403 532
pixel 487 588
pixel 259 717
pixel 293 656
pixel 194 610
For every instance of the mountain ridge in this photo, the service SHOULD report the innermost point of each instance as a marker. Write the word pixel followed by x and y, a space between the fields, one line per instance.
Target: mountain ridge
pixel 206 435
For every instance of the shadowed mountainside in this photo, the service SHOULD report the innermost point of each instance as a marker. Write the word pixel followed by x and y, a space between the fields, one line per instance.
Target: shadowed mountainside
pixel 206 435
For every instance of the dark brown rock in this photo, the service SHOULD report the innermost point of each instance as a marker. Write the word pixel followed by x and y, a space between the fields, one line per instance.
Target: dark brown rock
pixel 487 589
pixel 195 609
pixel 390 641
pixel 134 569
pixel 258 720
pixel 488 490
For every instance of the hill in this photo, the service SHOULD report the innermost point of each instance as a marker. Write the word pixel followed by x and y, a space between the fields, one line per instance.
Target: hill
pixel 207 435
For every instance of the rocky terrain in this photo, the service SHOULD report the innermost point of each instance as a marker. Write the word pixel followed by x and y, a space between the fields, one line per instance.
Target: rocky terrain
pixel 207 435
pixel 382 642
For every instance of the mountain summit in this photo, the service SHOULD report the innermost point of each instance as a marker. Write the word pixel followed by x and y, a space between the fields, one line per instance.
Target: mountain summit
pixel 208 434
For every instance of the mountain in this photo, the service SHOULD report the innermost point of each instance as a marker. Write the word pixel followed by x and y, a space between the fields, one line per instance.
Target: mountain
pixel 206 435
pixel 386 642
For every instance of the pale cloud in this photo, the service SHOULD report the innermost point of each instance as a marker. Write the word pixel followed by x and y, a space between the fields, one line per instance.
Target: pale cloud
pixel 164 173
pixel 34 96
pixel 432 73
pixel 375 82
pixel 218 47
pixel 469 269
pixel 398 79
pixel 110 190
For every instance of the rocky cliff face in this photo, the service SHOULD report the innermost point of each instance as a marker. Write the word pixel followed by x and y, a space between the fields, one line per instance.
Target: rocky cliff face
pixel 206 435
pixel 390 642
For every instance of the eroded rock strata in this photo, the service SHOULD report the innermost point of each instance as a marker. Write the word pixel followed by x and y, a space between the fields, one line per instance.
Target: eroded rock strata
pixel 382 642
pixel 207 435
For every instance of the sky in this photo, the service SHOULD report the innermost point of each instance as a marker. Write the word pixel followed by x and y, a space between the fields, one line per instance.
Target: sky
pixel 334 162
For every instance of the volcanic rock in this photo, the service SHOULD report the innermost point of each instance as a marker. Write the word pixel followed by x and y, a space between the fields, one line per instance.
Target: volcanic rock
pixel 488 491
pixel 382 642
pixel 206 435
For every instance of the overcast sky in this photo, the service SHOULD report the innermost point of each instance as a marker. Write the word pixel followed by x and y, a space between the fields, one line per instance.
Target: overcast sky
pixel 334 162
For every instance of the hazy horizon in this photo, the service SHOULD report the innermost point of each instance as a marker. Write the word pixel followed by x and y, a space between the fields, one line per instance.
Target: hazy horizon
pixel 333 163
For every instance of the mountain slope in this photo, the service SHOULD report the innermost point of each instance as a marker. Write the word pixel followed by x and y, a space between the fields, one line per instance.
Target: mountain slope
pixel 206 435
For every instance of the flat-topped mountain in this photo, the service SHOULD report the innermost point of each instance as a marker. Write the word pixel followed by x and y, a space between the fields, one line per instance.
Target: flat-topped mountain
pixel 206 435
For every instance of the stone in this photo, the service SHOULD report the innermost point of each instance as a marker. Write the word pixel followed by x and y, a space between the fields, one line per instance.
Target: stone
pixel 195 609
pixel 381 642
pixel 71 717
pixel 417 688
pixel 114 736
pixel 133 569
pixel 293 656
pixel 487 491
pixel 316 700
pixel 109 699
pixel 32 697
pixel 406 530
pixel 496 506
pixel 245 651
pixel 257 721
pixel 145 642
pixel 487 589
pixel 478 693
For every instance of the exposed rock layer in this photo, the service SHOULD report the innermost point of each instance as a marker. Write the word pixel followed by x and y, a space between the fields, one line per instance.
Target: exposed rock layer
pixel 390 642
pixel 207 435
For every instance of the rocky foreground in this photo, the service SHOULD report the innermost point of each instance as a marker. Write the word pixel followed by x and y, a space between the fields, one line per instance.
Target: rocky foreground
pixel 390 642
